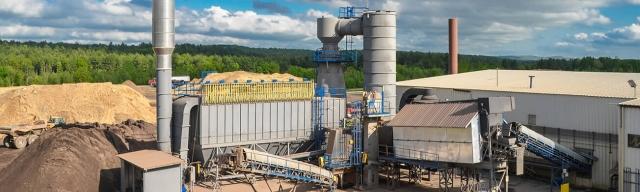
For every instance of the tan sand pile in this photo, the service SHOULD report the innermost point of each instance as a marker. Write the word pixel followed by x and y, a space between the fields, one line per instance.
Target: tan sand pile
pixel 76 157
pixel 7 89
pixel 83 102
pixel 243 76
pixel 129 83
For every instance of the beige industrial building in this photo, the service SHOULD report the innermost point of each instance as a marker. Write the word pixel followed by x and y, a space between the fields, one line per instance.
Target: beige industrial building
pixel 577 109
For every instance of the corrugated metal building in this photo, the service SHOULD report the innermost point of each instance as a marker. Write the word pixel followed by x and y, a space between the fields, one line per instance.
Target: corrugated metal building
pixel 576 109
pixel 629 143
pixel 450 132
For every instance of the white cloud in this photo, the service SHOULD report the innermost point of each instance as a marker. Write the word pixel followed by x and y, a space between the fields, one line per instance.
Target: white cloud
pixel 25 8
pixel 486 27
pixel 634 2
pixel 116 7
pixel 205 39
pixel 117 36
pixel 247 24
pixel 585 16
pixel 598 36
pixel 581 36
pixel 312 13
pixel 26 31
pixel 621 41
pixel 129 22
pixel 333 3
pixel 562 44
pixel 626 34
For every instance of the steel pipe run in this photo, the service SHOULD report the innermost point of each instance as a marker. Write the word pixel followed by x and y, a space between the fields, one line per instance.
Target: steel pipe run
pixel 163 44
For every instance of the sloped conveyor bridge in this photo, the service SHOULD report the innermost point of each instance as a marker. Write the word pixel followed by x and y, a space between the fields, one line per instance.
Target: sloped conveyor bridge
pixel 550 150
pixel 257 162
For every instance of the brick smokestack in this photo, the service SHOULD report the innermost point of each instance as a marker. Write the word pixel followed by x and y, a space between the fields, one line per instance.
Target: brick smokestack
pixel 453 46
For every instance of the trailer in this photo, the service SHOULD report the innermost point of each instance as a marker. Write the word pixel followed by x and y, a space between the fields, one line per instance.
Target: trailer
pixel 19 136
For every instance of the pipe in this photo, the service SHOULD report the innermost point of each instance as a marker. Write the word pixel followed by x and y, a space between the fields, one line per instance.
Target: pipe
pixel 163 44
pixel 453 46
pixel 531 81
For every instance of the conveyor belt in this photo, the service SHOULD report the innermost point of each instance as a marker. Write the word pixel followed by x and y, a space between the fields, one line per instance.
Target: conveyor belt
pixel 273 165
pixel 550 150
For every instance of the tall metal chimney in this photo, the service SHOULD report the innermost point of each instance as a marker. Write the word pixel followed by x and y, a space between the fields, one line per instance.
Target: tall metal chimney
pixel 163 44
pixel 453 46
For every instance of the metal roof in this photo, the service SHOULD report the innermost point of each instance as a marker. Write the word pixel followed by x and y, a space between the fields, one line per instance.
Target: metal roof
pixel 445 115
pixel 150 159
pixel 594 84
pixel 635 103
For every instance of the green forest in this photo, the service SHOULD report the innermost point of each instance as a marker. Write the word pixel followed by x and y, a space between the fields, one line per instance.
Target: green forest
pixel 26 63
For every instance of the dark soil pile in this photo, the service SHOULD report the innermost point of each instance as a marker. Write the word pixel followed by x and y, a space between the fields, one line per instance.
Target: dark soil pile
pixel 77 157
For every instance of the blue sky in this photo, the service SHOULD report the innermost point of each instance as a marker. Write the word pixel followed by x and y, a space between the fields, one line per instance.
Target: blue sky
pixel 570 28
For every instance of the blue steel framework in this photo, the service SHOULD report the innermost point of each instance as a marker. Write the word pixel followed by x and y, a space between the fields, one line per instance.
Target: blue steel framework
pixel 323 99
pixel 355 154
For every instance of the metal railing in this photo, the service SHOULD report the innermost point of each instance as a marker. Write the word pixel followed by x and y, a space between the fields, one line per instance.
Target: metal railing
pixel 378 107
pixel 401 152
pixel 333 56
pixel 631 180
pixel 187 89
pixel 351 12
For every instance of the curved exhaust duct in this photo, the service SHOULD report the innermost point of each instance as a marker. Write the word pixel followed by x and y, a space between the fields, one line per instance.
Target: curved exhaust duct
pixel 378 29
pixel 163 44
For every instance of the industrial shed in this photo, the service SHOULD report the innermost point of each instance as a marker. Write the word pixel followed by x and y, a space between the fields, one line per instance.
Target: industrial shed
pixel 450 134
pixel 629 140
pixel 576 109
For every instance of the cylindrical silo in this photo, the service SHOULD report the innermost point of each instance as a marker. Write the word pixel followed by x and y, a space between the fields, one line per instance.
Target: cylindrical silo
pixel 163 45
pixel 330 74
pixel 379 55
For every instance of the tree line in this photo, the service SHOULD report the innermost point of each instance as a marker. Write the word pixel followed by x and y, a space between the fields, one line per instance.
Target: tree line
pixel 27 63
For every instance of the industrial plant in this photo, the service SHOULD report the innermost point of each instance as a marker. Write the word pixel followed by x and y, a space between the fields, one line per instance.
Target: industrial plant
pixel 467 127
pixel 461 131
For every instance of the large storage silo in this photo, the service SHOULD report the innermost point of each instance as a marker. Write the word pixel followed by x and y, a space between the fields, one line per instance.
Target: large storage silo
pixel 379 55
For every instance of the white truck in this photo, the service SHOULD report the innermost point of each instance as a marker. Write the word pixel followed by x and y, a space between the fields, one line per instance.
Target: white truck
pixel 175 81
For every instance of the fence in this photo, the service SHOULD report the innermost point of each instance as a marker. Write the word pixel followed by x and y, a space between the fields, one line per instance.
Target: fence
pixel 631 180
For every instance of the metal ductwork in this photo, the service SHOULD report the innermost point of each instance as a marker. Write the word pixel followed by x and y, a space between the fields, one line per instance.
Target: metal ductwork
pixel 163 44
pixel 330 75
pixel 378 29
